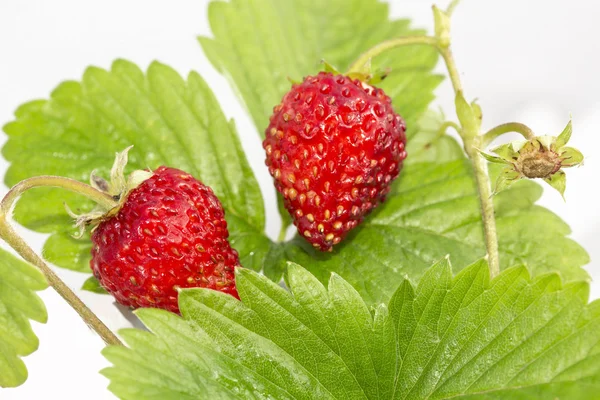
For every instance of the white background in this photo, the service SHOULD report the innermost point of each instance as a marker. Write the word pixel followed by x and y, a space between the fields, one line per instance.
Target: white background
pixel 532 61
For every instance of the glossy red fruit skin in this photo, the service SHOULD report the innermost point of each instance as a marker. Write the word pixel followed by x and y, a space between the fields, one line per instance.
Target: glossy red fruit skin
pixel 170 233
pixel 333 146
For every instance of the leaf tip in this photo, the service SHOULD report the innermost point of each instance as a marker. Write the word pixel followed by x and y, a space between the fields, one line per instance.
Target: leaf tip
pixel 293 268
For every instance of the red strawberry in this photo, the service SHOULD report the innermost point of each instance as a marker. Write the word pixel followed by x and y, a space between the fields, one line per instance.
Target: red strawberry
pixel 334 145
pixel 169 233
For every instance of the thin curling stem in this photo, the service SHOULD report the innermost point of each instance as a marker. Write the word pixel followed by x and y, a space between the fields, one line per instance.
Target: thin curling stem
pixel 471 140
pixel 390 44
pixel 11 237
pixel 500 130
pixel 103 199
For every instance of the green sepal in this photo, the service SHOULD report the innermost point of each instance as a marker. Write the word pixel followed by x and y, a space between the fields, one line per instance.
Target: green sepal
pixel 507 177
pixel 570 157
pixel 92 285
pixel 363 73
pixel 379 75
pixel 565 135
pixel 558 181
pixel 545 141
pixel 327 67
pixel 366 74
pixel 493 159
pixel 509 151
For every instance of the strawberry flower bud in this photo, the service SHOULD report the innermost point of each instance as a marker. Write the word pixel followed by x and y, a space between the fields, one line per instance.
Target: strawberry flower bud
pixel 541 157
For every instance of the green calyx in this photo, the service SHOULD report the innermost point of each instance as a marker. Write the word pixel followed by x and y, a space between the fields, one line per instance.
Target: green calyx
pixel 363 73
pixel 541 157
pixel 118 187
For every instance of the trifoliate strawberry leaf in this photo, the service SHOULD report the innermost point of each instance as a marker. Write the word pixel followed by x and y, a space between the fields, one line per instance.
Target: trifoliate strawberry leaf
pixel 18 304
pixel 450 337
pixel 276 40
pixel 169 120
pixel 433 210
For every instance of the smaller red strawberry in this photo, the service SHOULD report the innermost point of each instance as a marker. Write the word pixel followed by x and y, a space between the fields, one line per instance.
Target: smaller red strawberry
pixel 333 146
pixel 168 232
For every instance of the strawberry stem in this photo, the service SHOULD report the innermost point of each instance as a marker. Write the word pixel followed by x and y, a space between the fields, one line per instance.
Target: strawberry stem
pixel 500 130
pixel 486 202
pixel 11 237
pixel 446 54
pixel 387 45
pixel 472 141
pixel 448 124
pixel 103 199
pixel 469 126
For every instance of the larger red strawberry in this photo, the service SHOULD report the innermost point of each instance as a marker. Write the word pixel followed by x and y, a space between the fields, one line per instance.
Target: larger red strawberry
pixel 334 145
pixel 169 233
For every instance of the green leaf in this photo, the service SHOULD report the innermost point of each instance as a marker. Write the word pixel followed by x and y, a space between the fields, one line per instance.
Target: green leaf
pixel 362 72
pixel 425 142
pixel 169 120
pixel 18 304
pixel 274 40
pixel 493 159
pixel 433 210
pixel 277 40
pixel 450 337
pixel 506 178
pixel 508 151
pixel 92 285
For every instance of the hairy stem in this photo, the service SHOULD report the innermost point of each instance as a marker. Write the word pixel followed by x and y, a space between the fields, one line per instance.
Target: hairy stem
pixel 390 44
pixel 103 199
pixel 11 237
pixel 482 180
pixel 471 140
pixel 446 54
pixel 518 127
pixel 448 124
